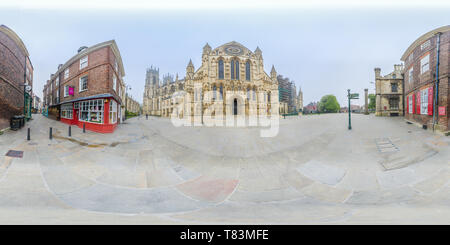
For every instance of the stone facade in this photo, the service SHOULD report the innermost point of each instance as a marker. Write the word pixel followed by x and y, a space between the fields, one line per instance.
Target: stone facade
pixel 299 100
pixel 420 79
pixel 287 95
pixel 93 74
pixel 132 105
pixel 232 73
pixel 389 92
pixel 15 70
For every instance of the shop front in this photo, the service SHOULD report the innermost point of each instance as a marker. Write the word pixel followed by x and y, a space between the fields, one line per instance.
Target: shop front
pixel 98 115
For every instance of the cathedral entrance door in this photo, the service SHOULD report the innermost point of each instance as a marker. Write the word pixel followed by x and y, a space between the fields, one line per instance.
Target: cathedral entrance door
pixel 235 107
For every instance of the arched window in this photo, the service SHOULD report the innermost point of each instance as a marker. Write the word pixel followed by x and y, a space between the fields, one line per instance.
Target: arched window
pixel 232 69
pixel 268 97
pixel 221 76
pixel 254 94
pixel 237 70
pixel 221 91
pixel 247 71
pixel 214 92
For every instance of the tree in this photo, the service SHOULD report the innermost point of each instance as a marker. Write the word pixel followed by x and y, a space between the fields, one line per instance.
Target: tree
pixel 329 104
pixel 371 102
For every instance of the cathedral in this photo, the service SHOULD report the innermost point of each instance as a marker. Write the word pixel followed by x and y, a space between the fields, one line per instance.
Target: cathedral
pixel 230 75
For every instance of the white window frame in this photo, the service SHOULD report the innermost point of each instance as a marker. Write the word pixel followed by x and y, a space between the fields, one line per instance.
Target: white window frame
pixel 91 107
pixel 80 85
pixel 113 112
pixel 114 81
pixel 84 62
pixel 66 73
pixel 425 44
pixel 410 105
pixel 411 56
pixel 67 111
pixel 66 90
pixel 425 64
pixel 411 75
pixel 424 101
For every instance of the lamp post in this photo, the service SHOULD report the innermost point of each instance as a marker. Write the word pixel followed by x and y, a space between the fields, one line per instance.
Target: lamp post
pixel 126 98
pixel 350 96
pixel 349 111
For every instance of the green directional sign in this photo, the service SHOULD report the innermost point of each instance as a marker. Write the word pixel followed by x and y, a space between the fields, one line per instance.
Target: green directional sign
pixel 354 96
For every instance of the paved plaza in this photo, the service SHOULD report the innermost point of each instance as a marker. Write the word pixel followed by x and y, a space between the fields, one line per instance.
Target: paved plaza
pixel 315 171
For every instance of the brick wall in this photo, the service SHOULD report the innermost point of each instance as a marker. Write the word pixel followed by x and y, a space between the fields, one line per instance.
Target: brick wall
pixel 12 61
pixel 99 72
pixel 421 81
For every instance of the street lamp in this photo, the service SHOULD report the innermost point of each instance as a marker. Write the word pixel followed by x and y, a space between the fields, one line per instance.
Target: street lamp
pixel 126 96
pixel 26 88
pixel 350 96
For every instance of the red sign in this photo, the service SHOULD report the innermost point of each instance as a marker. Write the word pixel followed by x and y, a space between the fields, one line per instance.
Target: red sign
pixel 441 110
pixel 71 91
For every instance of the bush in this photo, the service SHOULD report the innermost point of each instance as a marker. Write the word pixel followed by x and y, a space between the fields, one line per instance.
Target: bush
pixel 129 114
pixel 329 104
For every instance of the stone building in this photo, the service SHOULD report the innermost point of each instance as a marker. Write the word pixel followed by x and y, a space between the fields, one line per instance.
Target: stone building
pixel 312 107
pixel 15 71
pixel 300 100
pixel 36 105
pixel 427 85
pixel 132 105
pixel 389 92
pixel 287 95
pixel 158 94
pixel 88 89
pixel 230 75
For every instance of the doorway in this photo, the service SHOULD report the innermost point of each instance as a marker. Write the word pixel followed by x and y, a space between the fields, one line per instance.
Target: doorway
pixel 235 107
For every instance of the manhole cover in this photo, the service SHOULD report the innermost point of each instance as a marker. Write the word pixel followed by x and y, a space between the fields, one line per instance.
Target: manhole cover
pixel 11 153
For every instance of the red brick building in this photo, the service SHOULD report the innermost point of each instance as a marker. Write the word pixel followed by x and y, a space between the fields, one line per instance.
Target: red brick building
pixel 427 93
pixel 15 70
pixel 88 89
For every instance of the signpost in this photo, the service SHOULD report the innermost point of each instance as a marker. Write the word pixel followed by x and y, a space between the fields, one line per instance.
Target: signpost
pixel 350 96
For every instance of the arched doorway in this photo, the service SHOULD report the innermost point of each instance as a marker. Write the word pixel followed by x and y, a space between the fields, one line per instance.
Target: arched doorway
pixel 235 107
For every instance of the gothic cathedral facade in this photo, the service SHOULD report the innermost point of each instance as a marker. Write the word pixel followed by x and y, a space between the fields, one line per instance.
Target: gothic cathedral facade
pixel 230 74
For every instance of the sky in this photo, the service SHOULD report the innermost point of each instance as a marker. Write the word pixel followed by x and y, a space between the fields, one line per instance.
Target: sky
pixel 324 46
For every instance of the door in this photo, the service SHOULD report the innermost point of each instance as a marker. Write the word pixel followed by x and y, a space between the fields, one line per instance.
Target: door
pixel 235 107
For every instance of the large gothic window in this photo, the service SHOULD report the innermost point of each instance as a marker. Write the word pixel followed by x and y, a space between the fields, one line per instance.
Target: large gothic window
pixel 221 76
pixel 247 71
pixel 237 70
pixel 232 69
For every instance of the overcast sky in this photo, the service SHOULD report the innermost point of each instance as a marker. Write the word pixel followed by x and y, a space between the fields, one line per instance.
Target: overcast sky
pixel 324 50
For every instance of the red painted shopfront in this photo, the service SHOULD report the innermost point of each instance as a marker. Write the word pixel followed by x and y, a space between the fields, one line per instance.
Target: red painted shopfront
pixel 98 114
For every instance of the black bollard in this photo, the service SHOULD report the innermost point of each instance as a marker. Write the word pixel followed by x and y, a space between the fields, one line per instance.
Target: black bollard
pixel 50 133
pixel 84 127
pixel 28 134
pixel 70 131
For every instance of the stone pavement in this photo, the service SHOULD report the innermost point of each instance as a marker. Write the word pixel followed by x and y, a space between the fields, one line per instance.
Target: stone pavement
pixel 314 171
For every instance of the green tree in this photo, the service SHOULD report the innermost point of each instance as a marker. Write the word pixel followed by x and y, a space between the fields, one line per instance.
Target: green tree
pixel 371 101
pixel 329 104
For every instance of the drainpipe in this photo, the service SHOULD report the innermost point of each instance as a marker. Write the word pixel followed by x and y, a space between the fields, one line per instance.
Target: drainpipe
pixel 436 93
